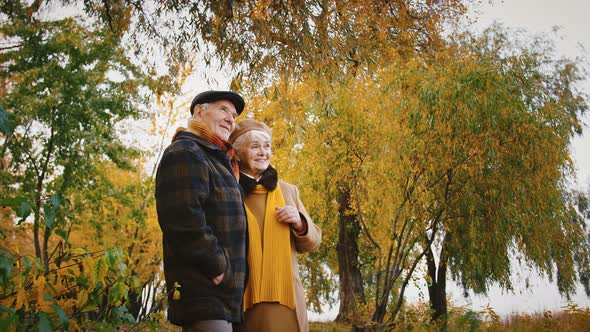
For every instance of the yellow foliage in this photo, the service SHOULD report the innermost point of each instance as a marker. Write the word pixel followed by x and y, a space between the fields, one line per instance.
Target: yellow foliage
pixel 22 300
pixel 81 267
pixel 39 286
pixel 82 298
pixel 18 240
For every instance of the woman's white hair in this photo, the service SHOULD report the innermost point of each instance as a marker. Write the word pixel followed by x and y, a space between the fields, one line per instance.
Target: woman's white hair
pixel 250 136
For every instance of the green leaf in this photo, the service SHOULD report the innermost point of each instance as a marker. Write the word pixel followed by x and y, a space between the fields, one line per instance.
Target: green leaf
pixel 63 318
pixel 6 266
pixel 119 292
pixel 114 257
pixel 28 264
pixel 134 282
pixel 124 315
pixel 20 205
pixel 44 324
pixel 129 318
pixel 111 258
pixel 55 201
pixel 100 270
pixel 63 234
pixel 49 216
pixel 122 267
pixel 6 125
pixel 9 320
pixel 23 211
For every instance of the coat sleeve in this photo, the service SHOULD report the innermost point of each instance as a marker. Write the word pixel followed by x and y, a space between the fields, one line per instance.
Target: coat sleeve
pixel 310 241
pixel 182 190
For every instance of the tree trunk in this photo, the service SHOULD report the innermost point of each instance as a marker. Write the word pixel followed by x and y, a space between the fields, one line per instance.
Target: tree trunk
pixel 135 303
pixel 351 282
pixel 36 239
pixel 437 287
pixel 36 225
pixel 45 251
pixel 383 303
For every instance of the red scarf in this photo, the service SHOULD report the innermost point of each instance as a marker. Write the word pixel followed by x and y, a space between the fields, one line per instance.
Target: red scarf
pixel 198 128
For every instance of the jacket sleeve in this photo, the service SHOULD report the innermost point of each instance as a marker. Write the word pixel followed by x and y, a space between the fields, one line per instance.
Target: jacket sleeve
pixel 182 189
pixel 309 241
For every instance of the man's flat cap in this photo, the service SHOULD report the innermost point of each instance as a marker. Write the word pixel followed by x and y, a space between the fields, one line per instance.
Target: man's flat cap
pixel 213 95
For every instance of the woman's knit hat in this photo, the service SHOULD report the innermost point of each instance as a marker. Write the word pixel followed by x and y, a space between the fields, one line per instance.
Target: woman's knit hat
pixel 247 125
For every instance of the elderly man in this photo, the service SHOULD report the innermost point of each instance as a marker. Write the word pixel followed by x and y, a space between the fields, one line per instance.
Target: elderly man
pixel 201 214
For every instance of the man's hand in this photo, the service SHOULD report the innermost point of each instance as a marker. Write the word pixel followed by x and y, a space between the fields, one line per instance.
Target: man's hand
pixel 217 280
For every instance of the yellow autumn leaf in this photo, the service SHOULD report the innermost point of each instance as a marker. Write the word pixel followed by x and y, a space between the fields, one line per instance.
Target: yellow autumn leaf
pixel 78 251
pixel 39 284
pixel 82 298
pixel 74 326
pixel 21 299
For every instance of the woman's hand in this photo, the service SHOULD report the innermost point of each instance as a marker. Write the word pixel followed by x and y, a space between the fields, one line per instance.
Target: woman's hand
pixel 289 215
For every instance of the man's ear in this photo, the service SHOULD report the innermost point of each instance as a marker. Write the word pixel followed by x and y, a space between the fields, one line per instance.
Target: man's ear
pixel 197 111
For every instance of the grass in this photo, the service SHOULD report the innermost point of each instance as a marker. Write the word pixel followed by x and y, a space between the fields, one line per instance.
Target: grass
pixel 416 318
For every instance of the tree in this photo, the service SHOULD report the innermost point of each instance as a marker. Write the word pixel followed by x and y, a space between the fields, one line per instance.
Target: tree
pixel 123 215
pixel 65 107
pixel 525 110
pixel 264 40
pixel 69 88
pixel 447 154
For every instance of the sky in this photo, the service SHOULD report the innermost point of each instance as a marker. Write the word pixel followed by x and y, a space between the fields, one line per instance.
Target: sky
pixel 536 17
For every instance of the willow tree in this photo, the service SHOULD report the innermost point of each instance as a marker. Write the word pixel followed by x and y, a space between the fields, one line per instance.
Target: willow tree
pixel 291 42
pixel 358 135
pixel 509 113
pixel 267 39
pixel 463 156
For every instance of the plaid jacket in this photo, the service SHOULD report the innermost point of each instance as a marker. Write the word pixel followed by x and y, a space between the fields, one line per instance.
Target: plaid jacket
pixel 203 221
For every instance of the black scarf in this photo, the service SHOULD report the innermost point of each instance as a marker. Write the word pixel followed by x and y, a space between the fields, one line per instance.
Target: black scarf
pixel 268 179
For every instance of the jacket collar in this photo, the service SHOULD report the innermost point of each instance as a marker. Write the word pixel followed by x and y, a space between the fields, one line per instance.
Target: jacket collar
pixel 198 139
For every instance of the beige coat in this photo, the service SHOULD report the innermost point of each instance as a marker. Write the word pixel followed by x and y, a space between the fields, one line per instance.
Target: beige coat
pixel 300 244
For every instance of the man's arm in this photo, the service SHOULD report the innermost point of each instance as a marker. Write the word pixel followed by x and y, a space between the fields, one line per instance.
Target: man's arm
pixel 182 190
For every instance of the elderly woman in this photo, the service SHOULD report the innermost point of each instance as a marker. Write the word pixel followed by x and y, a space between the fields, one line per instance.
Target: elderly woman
pixel 278 227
